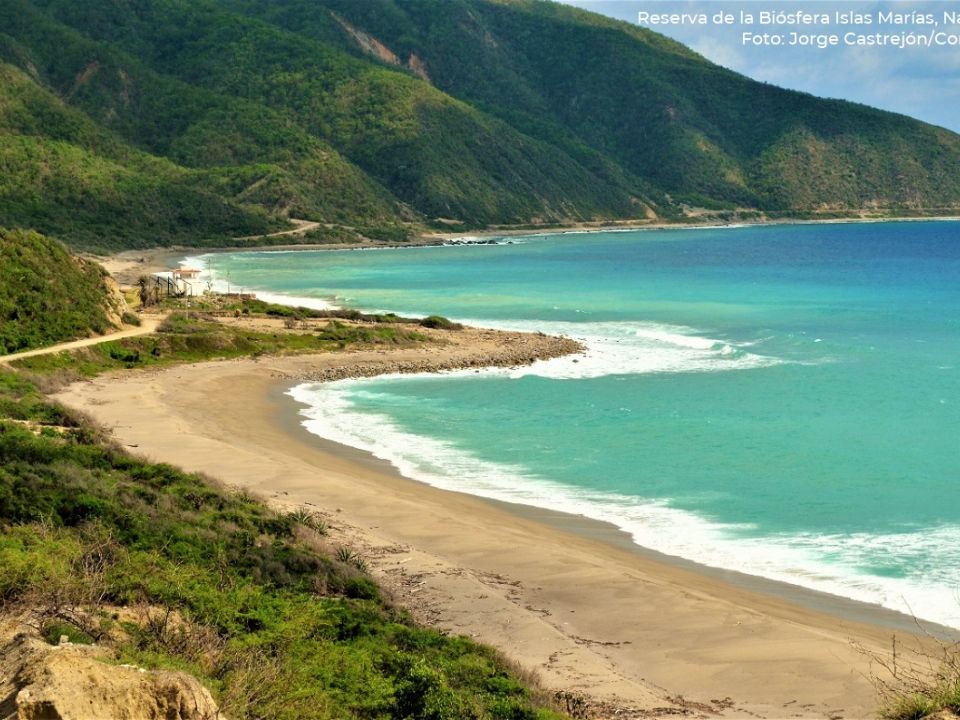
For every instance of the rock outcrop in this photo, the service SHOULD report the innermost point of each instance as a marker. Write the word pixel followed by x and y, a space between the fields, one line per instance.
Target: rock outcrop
pixel 39 681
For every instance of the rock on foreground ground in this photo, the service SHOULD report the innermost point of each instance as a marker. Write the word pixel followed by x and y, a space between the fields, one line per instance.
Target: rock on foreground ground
pixel 39 681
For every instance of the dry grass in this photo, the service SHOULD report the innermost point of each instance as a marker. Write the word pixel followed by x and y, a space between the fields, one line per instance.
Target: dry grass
pixel 918 683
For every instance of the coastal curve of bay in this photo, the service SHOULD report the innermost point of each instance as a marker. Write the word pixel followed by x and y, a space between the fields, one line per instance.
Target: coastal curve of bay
pixel 559 595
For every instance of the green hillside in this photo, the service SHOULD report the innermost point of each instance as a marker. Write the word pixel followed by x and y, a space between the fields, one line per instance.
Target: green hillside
pixel 695 130
pixel 170 121
pixel 65 175
pixel 47 295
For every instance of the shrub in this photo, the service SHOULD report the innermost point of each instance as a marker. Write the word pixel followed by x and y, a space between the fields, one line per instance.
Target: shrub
pixel 349 556
pixel 53 631
pixel 438 322
pixel 361 588
pixel 918 683
pixel 309 519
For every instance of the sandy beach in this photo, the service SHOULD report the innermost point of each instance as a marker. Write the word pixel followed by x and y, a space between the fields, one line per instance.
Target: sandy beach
pixel 566 597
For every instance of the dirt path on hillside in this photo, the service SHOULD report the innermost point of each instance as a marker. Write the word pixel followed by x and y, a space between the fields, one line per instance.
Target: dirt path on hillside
pixel 148 325
pixel 302 227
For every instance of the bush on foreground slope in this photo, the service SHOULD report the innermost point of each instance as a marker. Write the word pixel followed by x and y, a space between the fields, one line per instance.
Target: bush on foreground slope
pixel 920 685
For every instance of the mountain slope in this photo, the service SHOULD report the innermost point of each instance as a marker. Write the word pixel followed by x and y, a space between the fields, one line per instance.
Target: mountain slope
pixel 177 121
pixel 439 155
pixel 48 295
pixel 688 127
pixel 64 174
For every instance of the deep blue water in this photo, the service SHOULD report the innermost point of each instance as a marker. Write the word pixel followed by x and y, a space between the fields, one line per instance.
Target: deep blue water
pixel 781 400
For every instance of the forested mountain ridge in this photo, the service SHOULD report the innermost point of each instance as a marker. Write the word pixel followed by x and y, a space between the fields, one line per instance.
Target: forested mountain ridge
pixel 165 121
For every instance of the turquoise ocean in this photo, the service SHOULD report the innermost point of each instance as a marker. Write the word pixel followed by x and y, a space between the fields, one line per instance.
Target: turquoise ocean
pixel 781 400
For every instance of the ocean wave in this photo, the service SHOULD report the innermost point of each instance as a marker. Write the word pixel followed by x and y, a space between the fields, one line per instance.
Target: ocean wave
pixel 483 240
pixel 838 563
pixel 632 348
pixel 209 277
pixel 612 348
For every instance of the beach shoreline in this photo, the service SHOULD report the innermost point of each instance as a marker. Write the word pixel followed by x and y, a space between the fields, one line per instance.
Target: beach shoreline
pixel 649 631
pixel 128 265
pixel 289 414
pixel 836 633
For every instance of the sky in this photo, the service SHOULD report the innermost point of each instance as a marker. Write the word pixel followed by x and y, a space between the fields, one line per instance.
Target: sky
pixel 923 82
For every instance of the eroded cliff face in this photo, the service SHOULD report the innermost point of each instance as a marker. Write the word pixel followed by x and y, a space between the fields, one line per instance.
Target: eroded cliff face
pixel 39 681
pixel 115 305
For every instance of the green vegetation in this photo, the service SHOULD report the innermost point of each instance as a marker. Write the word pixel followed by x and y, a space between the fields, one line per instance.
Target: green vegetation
pixel 130 318
pixel 54 630
pixel 173 571
pixel 440 322
pixel 261 307
pixel 919 705
pixel 246 306
pixel 68 177
pixel 46 294
pixel 190 337
pixel 201 122
pixel 253 306
pixel 615 95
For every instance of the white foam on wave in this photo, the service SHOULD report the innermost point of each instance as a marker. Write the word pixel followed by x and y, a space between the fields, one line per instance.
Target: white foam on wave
pixel 797 559
pixel 210 278
pixel 612 348
pixel 631 348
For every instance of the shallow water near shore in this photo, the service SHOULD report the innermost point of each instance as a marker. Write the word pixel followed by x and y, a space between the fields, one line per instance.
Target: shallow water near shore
pixel 780 401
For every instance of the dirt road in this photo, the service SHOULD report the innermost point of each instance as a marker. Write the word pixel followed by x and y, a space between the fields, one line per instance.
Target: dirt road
pixel 148 324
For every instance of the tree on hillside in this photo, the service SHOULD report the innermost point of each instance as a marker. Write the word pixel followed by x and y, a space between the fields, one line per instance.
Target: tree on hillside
pixel 143 282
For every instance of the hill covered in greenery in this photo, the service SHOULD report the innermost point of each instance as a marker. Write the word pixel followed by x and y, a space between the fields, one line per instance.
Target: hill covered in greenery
pixel 173 121
pixel 48 295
